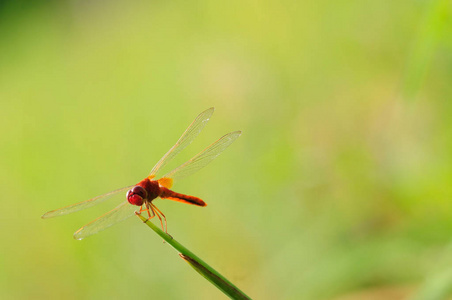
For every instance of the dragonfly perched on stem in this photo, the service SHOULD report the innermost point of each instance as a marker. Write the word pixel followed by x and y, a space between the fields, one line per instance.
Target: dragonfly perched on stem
pixel 146 191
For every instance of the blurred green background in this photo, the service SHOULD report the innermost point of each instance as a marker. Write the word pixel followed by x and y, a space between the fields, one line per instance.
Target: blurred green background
pixel 339 187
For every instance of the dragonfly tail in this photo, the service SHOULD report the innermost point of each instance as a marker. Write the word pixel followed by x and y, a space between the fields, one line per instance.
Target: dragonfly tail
pixel 170 195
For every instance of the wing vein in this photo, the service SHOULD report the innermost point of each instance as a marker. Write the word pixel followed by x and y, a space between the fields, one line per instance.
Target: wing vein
pixel 82 205
pixel 120 213
pixel 203 158
pixel 187 137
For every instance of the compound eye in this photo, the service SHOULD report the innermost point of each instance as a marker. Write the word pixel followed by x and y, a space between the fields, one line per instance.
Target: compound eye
pixel 140 191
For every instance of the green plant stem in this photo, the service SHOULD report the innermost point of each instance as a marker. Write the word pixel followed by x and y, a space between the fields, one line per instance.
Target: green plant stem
pixel 198 264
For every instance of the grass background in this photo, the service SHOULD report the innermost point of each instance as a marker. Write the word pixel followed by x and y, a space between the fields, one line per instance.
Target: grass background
pixel 338 188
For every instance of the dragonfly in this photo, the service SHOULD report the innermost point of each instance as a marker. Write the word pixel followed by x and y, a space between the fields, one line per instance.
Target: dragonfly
pixel 146 191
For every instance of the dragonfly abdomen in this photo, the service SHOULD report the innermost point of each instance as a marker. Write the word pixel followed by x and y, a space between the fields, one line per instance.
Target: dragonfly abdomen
pixel 169 194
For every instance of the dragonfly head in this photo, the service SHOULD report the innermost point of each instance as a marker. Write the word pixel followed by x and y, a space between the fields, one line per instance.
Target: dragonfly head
pixel 137 195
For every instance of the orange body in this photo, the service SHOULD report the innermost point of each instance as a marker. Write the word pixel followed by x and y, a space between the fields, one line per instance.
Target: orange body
pixel 160 188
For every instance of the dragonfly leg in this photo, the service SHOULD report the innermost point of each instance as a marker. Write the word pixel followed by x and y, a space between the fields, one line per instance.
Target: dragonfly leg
pixel 149 210
pixel 157 213
pixel 164 218
pixel 143 210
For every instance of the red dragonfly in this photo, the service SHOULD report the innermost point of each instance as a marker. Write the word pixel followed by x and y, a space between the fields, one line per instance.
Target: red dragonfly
pixel 146 191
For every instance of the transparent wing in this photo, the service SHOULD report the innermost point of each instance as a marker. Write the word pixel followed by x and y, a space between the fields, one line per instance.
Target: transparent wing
pixel 187 137
pixel 123 211
pixel 204 158
pixel 85 204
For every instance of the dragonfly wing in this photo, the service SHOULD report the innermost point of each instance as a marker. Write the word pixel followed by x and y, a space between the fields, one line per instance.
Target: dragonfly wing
pixel 202 159
pixel 187 137
pixel 123 211
pixel 85 204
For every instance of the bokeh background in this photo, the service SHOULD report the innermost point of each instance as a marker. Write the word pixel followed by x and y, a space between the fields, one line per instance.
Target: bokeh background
pixel 339 187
